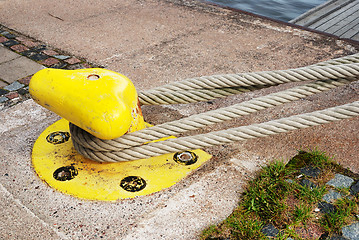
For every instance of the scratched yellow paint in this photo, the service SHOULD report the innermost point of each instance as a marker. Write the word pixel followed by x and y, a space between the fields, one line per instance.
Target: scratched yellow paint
pixel 101 181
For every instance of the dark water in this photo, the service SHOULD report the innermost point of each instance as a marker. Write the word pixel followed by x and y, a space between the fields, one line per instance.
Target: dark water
pixel 284 10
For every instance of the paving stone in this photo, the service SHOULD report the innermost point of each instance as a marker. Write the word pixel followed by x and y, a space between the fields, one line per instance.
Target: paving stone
pixel 270 231
pixel 340 181
pixel 39 48
pixel 38 56
pixel 12 95
pixel 19 48
pixel 326 207
pixel 3 99
pixel 75 66
pixel 10 43
pixel 35 55
pixel 28 53
pixel 310 171
pixel 332 196
pixel 61 57
pixel 352 231
pixel 18 68
pixel 50 52
pixel 14 86
pixel 49 61
pixel 25 80
pixel 7 55
pixel 22 91
pixel 3 39
pixel 29 43
pixel 21 39
pixel 3 92
pixel 307 183
pixel 337 237
pixel 73 60
pixel 59 65
pixel 354 189
pixel 8 35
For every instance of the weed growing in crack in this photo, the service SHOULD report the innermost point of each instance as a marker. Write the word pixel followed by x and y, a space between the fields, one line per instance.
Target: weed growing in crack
pixel 262 194
pixel 310 195
pixel 302 213
pixel 276 197
pixel 245 227
pixel 332 222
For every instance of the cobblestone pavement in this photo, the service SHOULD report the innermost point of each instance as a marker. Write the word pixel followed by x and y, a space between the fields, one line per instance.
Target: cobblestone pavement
pixel 340 181
pixel 20 58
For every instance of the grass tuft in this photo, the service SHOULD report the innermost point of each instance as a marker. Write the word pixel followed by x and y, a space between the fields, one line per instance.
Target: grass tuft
pixel 302 213
pixel 315 158
pixel 310 195
pixel 333 222
pixel 245 227
pixel 276 197
pixel 262 194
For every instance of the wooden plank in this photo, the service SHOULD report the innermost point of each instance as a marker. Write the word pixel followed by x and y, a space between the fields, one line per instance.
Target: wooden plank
pixel 337 17
pixel 341 27
pixel 355 37
pixel 323 12
pixel 345 16
pixel 351 32
pixel 298 20
pixel 334 17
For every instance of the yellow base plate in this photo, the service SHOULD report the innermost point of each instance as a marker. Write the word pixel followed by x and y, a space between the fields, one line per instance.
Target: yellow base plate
pixel 58 164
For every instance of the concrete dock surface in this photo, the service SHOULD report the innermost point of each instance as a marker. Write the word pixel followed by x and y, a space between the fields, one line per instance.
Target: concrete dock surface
pixel 153 43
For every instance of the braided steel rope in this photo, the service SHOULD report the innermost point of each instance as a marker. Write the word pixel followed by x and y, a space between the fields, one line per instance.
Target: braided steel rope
pixel 338 61
pixel 152 97
pixel 211 87
pixel 190 91
pixel 311 73
pixel 201 120
pixel 155 97
pixel 225 136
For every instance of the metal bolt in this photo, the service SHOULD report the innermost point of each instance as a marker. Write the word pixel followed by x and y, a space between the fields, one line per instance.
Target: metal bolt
pixel 186 158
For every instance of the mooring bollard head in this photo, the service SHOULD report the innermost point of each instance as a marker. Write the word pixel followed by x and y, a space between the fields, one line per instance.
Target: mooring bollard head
pixel 100 101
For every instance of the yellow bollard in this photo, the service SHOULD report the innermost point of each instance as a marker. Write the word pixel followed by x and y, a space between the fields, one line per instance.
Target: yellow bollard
pixel 105 104
pixel 100 101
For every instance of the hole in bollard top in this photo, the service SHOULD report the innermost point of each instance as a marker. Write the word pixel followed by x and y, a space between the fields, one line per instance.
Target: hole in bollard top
pixel 93 77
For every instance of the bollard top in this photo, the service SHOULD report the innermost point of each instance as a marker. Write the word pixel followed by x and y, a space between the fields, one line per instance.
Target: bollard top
pixel 97 100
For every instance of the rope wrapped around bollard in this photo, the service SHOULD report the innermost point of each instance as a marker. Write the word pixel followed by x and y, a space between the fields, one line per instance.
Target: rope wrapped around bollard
pixel 132 146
